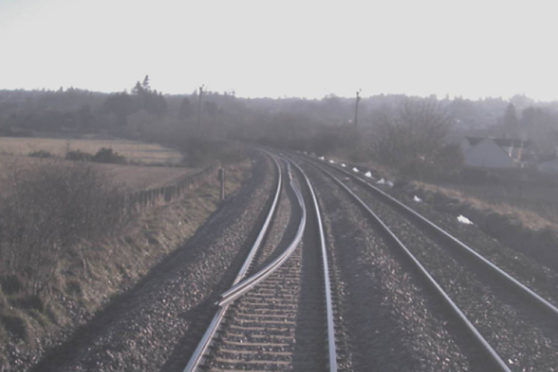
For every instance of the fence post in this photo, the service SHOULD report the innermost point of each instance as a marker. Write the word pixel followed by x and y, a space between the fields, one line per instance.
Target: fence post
pixel 222 180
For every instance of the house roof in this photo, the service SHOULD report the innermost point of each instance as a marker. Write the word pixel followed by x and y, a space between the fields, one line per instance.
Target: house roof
pixel 502 142
pixel 487 154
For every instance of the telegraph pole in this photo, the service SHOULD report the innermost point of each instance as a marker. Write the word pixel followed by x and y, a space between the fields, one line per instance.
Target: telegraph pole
pixel 356 107
pixel 199 108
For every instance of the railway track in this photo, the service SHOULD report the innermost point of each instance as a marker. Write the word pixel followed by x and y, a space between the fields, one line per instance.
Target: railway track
pixel 513 325
pixel 404 295
pixel 278 314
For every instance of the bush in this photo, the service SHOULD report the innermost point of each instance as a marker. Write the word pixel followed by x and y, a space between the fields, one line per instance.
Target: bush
pixel 49 209
pixel 107 155
pixel 78 155
pixel 41 154
pixel 104 155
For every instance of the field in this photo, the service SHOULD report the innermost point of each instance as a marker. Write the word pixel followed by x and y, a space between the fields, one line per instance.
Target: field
pixel 135 152
pixel 132 177
pixel 139 175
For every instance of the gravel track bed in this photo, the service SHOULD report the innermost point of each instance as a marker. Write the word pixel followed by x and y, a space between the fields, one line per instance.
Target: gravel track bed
pixel 156 325
pixel 514 331
pixel 279 324
pixel 259 329
pixel 524 268
pixel 387 321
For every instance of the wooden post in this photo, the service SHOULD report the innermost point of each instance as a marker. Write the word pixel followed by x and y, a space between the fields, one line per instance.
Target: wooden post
pixel 355 122
pixel 222 181
pixel 199 110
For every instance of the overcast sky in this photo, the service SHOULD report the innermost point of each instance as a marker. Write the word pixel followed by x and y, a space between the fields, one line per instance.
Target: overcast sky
pixel 283 48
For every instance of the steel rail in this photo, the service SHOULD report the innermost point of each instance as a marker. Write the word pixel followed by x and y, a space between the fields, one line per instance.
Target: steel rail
pixel 245 285
pixel 545 304
pixel 491 353
pixel 332 352
pixel 202 346
pixel 263 231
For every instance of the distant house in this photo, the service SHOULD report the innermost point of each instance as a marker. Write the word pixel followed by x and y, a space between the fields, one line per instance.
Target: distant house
pixel 493 153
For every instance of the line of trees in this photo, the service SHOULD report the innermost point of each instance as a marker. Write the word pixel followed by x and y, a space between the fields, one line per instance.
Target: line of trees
pixel 403 132
pixel 535 124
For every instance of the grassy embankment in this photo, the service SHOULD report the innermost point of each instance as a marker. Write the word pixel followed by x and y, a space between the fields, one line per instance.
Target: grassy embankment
pixel 64 274
pixel 518 209
pixel 535 206
pixel 532 203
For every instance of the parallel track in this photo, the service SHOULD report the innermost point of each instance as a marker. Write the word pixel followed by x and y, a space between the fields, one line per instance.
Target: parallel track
pixel 546 309
pixel 432 228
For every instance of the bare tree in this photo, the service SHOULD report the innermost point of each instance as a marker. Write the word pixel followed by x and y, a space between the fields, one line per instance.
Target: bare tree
pixel 413 139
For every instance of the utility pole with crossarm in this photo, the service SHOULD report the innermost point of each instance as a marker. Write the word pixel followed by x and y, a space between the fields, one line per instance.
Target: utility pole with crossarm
pixel 356 108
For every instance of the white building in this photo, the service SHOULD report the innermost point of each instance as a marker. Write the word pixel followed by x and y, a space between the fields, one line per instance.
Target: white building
pixel 493 153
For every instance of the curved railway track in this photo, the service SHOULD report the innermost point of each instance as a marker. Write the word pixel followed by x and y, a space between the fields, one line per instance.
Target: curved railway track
pixel 515 326
pixel 405 294
pixel 278 313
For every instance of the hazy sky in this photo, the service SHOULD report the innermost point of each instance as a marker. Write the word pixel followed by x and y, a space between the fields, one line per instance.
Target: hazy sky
pixel 283 48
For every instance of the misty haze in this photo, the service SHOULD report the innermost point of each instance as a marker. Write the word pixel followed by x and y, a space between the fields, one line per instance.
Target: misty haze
pixel 308 186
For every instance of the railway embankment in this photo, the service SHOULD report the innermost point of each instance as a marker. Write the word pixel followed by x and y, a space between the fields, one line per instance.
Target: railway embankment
pixel 520 217
pixel 538 242
pixel 94 274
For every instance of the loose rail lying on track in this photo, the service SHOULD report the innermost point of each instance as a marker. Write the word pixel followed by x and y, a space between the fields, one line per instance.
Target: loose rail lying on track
pixel 244 269
pixel 196 357
pixel 490 352
pixel 242 286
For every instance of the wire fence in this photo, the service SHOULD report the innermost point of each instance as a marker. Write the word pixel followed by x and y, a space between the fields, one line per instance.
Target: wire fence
pixel 140 200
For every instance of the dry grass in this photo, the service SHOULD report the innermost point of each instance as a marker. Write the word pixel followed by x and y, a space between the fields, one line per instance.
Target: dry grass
pixel 131 177
pixel 92 271
pixel 135 177
pixel 136 152
pixel 533 212
pixel 45 211
pixel 534 206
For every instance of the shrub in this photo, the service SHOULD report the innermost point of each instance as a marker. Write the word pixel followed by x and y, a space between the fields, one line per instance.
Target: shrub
pixel 108 155
pixel 78 155
pixel 49 209
pixel 41 154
